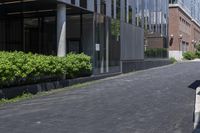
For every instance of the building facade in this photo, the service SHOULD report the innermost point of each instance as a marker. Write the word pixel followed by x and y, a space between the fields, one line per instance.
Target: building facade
pixel 156 23
pixel 112 32
pixel 184 26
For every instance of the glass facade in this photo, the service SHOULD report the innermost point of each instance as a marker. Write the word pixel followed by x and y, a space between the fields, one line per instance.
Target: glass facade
pixel 152 15
pixel 94 27
pixel 30 34
pixel 192 7
pixel 156 16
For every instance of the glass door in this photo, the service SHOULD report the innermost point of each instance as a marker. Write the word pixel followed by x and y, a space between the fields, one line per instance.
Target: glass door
pixel 73 45
pixel 31 35
pixel 101 60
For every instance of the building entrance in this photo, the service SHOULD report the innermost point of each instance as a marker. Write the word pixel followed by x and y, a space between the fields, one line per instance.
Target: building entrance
pixel 31 36
pixel 73 45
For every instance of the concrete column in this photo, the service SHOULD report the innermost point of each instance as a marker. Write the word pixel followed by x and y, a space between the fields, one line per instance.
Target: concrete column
pixel 61 30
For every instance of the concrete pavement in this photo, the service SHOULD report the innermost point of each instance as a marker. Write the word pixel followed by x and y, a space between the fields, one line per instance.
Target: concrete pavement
pixel 152 101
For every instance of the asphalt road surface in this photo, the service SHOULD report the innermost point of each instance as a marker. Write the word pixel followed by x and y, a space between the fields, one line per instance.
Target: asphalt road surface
pixel 159 100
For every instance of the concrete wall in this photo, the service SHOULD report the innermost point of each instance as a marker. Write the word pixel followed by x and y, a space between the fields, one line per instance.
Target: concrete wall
pixel 178 55
pixel 130 66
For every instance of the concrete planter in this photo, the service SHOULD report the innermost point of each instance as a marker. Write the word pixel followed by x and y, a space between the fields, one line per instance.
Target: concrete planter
pixel 12 92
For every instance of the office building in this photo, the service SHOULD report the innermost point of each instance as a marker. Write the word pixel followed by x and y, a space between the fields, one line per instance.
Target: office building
pixel 114 33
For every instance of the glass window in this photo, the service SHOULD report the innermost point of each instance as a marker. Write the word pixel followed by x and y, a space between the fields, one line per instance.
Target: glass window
pixel 83 3
pixel 138 13
pixel 112 8
pixel 73 1
pixel 172 1
pixel 130 13
pixel 49 36
pixel 126 12
pixel 95 5
pixel 118 6
pixel 103 7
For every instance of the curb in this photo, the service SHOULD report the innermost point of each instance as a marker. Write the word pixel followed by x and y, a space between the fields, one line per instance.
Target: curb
pixel 197 110
pixel 12 92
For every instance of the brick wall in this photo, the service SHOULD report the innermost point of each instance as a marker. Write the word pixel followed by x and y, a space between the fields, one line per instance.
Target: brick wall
pixel 181 24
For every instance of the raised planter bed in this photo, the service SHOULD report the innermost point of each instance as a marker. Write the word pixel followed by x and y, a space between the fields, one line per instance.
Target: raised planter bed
pixel 12 92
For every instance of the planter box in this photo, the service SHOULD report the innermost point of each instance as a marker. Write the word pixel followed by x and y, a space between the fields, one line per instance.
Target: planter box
pixel 12 92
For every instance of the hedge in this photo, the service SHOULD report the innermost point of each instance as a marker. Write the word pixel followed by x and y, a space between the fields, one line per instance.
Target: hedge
pixel 189 55
pixel 18 68
pixel 156 53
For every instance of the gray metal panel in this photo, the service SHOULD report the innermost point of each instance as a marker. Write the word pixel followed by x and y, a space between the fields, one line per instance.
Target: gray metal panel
pixel 140 43
pixel 98 6
pixel 132 42
pixel 115 6
pixel 108 8
pixel 90 5
pixel 122 5
pixel 77 2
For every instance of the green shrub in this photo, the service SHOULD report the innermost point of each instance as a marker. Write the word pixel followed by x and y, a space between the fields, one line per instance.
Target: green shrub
pixel 197 54
pixel 156 53
pixel 189 55
pixel 197 47
pixel 78 65
pixel 19 68
pixel 173 60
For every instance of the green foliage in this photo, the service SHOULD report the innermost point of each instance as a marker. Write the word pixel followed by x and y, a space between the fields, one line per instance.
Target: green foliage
pixel 173 60
pixel 16 99
pixel 18 67
pixel 189 55
pixel 156 53
pixel 197 53
pixel 78 65
pixel 115 26
pixel 197 47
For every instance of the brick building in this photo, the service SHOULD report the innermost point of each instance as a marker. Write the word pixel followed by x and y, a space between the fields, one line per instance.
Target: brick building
pixel 184 30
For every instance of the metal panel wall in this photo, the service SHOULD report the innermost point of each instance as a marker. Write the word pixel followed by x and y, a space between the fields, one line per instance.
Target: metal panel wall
pixel 108 8
pixel 132 47
pixel 90 5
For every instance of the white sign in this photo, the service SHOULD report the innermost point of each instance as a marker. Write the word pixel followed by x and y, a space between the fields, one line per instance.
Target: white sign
pixel 97 47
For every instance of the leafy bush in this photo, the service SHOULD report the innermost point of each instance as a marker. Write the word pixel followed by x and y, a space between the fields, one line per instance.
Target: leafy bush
pixel 78 65
pixel 197 47
pixel 156 53
pixel 189 55
pixel 197 54
pixel 19 68
pixel 173 60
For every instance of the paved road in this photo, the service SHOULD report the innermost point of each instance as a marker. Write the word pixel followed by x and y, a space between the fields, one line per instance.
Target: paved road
pixel 152 101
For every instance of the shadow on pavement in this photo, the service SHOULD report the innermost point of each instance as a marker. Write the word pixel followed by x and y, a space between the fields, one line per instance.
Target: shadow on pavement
pixel 196 131
pixel 194 85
